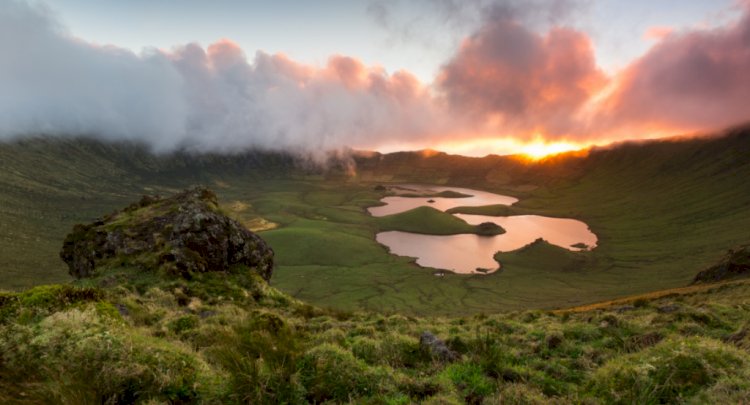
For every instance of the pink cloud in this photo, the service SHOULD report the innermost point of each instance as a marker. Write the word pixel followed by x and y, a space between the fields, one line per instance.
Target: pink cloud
pixel 273 102
pixel 520 80
pixel 505 81
pixel 514 81
pixel 657 33
pixel 691 81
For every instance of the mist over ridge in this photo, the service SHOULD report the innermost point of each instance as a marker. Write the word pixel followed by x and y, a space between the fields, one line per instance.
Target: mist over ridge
pixel 505 81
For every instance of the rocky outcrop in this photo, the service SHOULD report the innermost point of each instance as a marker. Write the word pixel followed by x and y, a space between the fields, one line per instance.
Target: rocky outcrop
pixel 436 348
pixel 736 263
pixel 183 234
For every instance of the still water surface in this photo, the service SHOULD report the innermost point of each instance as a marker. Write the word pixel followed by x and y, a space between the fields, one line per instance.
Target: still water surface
pixel 466 253
pixel 396 204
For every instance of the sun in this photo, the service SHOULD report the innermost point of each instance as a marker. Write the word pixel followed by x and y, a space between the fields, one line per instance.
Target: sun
pixel 539 149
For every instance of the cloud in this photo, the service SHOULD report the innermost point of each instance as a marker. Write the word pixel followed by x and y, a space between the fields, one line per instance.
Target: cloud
pixel 509 79
pixel 53 83
pixel 276 103
pixel 522 82
pixel 514 80
pixel 657 33
pixel 213 99
pixel 690 81
pixel 449 20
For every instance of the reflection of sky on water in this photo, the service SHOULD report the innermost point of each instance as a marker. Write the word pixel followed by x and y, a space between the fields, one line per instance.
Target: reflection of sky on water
pixel 397 204
pixel 465 253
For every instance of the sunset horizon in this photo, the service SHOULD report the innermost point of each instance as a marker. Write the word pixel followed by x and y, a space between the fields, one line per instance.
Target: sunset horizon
pixel 514 77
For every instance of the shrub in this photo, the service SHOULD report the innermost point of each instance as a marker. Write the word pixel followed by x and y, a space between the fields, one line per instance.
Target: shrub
pixel 731 390
pixel 183 324
pixel 84 357
pixel 670 371
pixel 330 373
pixel 512 394
pixel 470 382
pixel 332 335
pixel 418 388
pixel 261 355
pixel 57 295
pixel 398 350
pixel 366 349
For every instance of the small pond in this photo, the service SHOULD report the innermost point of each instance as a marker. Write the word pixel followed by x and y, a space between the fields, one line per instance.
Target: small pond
pixel 469 253
pixel 396 204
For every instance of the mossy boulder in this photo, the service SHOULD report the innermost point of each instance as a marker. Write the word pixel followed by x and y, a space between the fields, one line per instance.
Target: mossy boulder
pixel 183 234
pixel 735 264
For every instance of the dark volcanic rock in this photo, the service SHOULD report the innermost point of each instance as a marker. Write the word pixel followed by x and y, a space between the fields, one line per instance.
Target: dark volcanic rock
pixel 437 349
pixel 736 263
pixel 183 234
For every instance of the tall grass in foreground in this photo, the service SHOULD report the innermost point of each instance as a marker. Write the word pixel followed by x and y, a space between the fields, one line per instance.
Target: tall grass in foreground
pixel 226 338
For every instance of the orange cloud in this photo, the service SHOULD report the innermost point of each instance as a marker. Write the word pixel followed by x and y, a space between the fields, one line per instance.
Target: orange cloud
pixel 518 83
pixel 506 88
pixel 657 33
pixel 518 80
pixel 693 81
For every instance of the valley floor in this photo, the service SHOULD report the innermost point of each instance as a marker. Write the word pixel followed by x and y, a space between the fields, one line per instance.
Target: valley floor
pixel 662 212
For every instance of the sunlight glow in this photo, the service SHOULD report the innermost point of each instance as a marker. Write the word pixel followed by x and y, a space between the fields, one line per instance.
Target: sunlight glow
pixel 533 149
pixel 539 149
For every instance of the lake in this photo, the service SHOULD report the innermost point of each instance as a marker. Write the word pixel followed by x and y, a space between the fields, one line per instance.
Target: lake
pixel 466 253
pixel 396 204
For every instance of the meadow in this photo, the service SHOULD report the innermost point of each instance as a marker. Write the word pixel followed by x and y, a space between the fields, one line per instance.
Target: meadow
pixel 144 335
pixel 662 212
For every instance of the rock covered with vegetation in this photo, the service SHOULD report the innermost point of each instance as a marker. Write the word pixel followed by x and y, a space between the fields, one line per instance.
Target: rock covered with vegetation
pixel 184 234
pixel 736 263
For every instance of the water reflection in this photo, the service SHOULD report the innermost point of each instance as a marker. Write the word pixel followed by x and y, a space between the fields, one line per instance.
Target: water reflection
pixel 466 253
pixel 396 204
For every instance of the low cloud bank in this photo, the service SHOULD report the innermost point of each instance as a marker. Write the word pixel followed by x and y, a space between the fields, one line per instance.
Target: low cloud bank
pixel 505 80
pixel 213 99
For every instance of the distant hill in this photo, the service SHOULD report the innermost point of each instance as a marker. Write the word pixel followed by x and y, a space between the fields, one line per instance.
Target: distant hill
pixel 729 150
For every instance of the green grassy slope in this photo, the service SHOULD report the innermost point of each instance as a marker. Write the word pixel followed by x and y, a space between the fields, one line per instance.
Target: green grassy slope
pixel 229 338
pixel 662 211
pixel 48 185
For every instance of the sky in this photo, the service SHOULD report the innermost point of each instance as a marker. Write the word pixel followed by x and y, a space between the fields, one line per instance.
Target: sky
pixel 465 76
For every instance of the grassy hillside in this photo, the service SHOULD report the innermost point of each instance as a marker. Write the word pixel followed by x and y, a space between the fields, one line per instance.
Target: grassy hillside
pixel 662 212
pixel 48 185
pixel 230 338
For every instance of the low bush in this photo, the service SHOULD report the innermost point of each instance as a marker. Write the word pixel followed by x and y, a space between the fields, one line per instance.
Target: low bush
pixel 331 373
pixel 671 371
